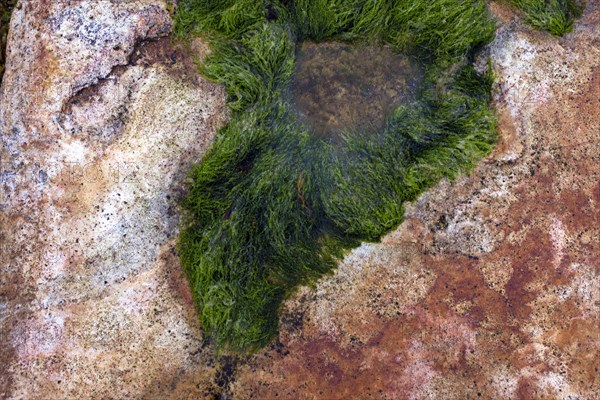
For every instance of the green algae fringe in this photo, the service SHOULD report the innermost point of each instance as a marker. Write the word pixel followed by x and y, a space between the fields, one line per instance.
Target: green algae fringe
pixel 6 8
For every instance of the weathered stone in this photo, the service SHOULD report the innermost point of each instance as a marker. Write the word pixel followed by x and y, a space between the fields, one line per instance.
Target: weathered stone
pixel 100 120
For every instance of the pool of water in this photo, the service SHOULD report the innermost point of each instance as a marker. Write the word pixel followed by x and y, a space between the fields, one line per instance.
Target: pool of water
pixel 339 87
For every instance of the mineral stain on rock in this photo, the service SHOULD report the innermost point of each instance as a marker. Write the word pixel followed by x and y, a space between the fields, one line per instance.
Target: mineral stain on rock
pixel 341 87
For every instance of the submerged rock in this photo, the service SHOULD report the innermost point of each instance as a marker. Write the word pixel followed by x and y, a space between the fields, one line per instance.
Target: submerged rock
pixel 489 288
pixel 340 87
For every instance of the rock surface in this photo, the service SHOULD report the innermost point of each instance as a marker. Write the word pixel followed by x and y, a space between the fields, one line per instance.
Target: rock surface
pixel 100 119
pixel 489 289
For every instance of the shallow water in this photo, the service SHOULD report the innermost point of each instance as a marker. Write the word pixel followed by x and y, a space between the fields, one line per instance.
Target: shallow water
pixel 340 87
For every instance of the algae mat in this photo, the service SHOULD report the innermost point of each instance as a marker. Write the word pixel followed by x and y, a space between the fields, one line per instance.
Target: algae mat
pixel 275 204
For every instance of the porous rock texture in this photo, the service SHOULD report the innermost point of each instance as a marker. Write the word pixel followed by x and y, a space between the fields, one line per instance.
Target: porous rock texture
pixel 101 116
pixel 489 289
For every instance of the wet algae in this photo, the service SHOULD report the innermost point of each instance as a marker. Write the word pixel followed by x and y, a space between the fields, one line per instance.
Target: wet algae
pixel 6 8
pixel 275 202
pixel 554 16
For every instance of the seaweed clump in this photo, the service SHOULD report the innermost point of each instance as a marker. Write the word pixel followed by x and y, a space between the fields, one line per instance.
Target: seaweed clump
pixel 554 16
pixel 272 205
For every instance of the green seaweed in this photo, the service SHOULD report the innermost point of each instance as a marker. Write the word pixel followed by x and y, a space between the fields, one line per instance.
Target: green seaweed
pixel 6 8
pixel 272 206
pixel 554 16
